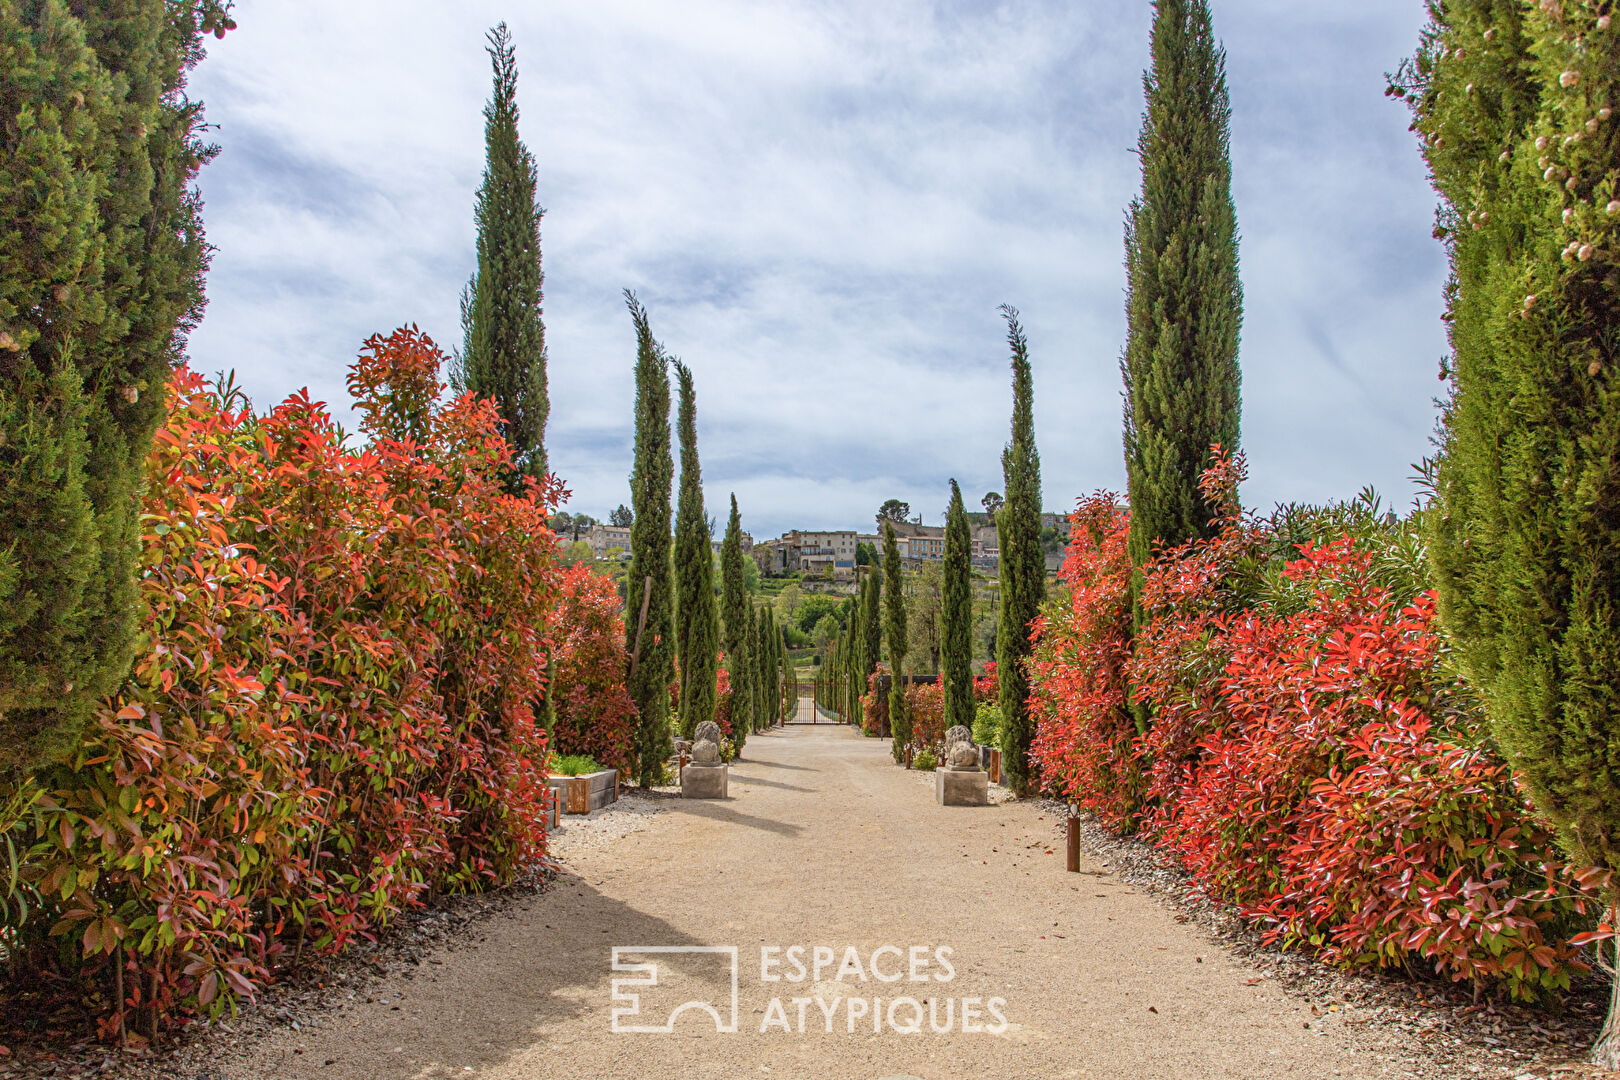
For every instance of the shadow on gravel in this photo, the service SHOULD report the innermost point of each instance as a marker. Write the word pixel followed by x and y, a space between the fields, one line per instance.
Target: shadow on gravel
pixel 762 782
pixel 482 1002
pixel 716 811
pixel 782 765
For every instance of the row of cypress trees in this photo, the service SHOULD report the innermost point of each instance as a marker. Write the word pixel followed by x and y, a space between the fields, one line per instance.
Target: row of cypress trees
pixel 1180 370
pixel 101 278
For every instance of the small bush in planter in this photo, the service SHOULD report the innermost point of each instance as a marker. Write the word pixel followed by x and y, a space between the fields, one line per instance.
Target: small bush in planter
pixel 925 760
pixel 574 765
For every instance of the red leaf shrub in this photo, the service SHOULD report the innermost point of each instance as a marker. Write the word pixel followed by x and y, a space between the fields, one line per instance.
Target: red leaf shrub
pixel 1310 761
pixel 330 714
pixel 925 708
pixel 1083 746
pixel 875 704
pixel 595 714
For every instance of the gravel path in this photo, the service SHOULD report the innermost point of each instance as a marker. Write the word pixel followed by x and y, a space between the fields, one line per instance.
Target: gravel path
pixel 825 843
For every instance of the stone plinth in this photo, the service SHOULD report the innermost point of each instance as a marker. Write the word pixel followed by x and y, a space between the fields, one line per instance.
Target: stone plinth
pixel 961 787
pixel 704 781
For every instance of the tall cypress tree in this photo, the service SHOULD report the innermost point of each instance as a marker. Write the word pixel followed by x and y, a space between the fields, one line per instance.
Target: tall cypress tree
pixel 1524 535
pixel 1185 300
pixel 503 354
pixel 956 645
pixel 651 570
pixel 697 626
pixel 756 666
pixel 1022 567
pixel 895 631
pixel 734 623
pixel 101 278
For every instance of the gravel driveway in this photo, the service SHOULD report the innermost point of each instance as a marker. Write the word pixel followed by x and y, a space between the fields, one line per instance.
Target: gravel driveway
pixel 824 842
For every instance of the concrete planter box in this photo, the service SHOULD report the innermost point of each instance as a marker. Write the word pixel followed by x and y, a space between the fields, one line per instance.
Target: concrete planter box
pixel 582 794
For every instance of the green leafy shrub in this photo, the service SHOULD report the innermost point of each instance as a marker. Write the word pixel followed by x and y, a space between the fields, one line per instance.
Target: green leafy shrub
pixel 987 725
pixel 573 765
pixel 925 760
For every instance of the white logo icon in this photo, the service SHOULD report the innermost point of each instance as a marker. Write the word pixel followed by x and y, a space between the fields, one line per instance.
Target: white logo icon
pixel 623 989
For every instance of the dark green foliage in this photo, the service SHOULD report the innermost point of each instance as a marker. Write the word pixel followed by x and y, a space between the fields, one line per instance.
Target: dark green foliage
pixel 734 624
pixel 653 657
pixel 503 354
pixel 956 647
pixel 1524 533
pixel 622 517
pixel 101 266
pixel 895 631
pixel 894 510
pixel 872 623
pixel 697 626
pixel 1022 567
pixel 1185 300
pixel 755 653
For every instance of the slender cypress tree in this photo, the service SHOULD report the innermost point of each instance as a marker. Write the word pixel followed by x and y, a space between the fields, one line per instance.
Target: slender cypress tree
pixel 855 661
pixel 651 576
pixel 734 622
pixel 697 627
pixel 503 354
pixel 956 646
pixel 872 622
pixel 1185 300
pixel 1022 565
pixel 101 278
pixel 1524 536
pixel 895 631
pixel 756 666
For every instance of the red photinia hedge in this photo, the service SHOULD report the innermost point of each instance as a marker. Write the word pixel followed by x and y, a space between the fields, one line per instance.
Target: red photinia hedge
pixel 331 712
pixel 925 708
pixel 1083 746
pixel 875 704
pixel 595 713
pixel 1316 767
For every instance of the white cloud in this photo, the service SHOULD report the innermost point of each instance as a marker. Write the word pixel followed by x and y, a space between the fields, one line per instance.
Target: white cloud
pixel 821 204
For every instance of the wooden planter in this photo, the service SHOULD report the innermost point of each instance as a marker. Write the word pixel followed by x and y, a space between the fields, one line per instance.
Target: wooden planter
pixel 582 794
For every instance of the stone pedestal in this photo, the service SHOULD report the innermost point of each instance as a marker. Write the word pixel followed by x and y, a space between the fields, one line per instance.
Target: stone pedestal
pixel 704 781
pixel 961 787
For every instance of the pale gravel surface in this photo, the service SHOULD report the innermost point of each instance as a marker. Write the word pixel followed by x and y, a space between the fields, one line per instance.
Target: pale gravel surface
pixel 823 842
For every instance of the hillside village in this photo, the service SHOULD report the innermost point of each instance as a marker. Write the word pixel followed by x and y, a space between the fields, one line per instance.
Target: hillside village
pixel 826 559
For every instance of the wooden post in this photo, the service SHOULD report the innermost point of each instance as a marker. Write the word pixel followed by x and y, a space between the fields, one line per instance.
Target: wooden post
pixel 1074 838
pixel 995 765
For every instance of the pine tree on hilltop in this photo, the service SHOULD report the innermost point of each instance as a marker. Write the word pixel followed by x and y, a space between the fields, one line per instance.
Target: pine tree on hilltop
pixel 734 624
pixel 1022 567
pixel 697 627
pixel 101 280
pixel 956 645
pixel 895 631
pixel 1185 299
pixel 503 354
pixel 652 645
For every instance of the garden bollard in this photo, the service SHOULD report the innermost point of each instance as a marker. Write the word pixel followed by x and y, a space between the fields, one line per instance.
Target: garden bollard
pixel 1074 838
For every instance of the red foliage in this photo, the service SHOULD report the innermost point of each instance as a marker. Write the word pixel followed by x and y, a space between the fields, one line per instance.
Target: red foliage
pixel 875 704
pixel 925 708
pixel 1317 767
pixel 595 713
pixel 331 712
pixel 1083 742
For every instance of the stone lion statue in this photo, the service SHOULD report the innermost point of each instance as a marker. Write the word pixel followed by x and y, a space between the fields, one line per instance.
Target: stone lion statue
pixel 960 753
pixel 706 744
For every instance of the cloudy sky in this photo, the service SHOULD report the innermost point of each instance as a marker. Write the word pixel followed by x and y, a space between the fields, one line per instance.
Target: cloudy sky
pixel 822 203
